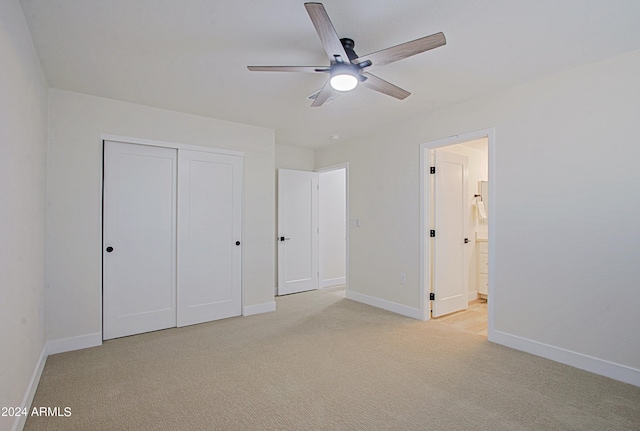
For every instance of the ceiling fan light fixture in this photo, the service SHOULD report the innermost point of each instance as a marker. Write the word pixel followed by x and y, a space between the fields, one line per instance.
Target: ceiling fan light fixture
pixel 344 82
pixel 343 78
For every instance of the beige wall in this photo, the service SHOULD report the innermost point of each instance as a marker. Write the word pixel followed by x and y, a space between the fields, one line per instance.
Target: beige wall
pixel 23 149
pixel 299 159
pixel 566 243
pixel 75 202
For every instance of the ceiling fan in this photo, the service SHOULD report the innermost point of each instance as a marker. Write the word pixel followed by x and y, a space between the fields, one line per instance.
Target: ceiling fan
pixel 346 69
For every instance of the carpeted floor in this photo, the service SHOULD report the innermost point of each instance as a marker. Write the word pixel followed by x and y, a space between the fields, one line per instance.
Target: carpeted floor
pixel 322 362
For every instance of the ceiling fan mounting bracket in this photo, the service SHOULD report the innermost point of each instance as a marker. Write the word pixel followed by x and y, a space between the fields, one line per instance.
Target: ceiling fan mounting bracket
pixel 348 45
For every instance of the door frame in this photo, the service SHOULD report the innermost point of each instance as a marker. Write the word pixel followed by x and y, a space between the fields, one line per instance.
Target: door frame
pixel 425 210
pixel 336 167
pixel 164 144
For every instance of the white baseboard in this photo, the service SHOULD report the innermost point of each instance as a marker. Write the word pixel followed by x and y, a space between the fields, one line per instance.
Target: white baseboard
pixel 329 282
pixel 473 296
pixel 267 307
pixel 74 343
pixel 568 357
pixel 385 305
pixel 18 423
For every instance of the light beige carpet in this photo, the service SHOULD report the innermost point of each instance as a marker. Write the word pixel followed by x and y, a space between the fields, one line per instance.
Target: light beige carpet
pixel 322 362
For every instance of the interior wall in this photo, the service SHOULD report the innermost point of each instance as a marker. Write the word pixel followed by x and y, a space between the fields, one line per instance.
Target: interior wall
pixel 383 211
pixel 333 227
pixel 299 159
pixel 566 215
pixel 74 233
pixel 23 150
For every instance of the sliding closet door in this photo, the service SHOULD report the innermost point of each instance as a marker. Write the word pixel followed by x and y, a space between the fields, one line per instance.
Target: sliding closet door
pixel 209 236
pixel 139 239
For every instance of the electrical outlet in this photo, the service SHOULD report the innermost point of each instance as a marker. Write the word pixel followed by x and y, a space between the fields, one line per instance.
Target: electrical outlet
pixel 403 278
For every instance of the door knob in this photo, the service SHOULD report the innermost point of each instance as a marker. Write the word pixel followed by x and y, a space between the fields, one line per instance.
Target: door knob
pixel 109 249
pixel 466 240
pixel 284 239
pixel 237 242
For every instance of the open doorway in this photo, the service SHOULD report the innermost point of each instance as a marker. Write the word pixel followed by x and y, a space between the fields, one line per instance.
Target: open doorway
pixel 333 227
pixel 455 208
pixel 312 230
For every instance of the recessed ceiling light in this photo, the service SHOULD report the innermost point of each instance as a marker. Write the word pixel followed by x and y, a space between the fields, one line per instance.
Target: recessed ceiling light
pixel 335 137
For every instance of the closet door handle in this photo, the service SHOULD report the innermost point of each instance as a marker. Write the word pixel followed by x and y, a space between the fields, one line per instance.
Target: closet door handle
pixel 237 242
pixel 109 249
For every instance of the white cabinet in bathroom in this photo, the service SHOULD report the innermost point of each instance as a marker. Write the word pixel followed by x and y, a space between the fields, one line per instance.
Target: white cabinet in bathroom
pixel 482 264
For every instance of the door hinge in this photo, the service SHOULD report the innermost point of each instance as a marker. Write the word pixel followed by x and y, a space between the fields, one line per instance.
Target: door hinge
pixel 432 233
pixel 432 296
pixel 433 170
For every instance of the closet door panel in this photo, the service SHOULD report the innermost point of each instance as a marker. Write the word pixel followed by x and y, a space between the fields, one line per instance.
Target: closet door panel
pixel 209 225
pixel 139 250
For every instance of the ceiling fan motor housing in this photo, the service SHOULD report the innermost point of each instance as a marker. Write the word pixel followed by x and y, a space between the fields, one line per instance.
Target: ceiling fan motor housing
pixel 349 68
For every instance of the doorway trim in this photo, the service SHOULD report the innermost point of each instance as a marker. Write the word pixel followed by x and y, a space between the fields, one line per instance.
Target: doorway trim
pixel 425 209
pixel 336 167
pixel 165 144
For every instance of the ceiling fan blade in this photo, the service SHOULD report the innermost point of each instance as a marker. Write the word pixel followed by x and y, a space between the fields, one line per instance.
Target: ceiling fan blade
pixel 382 86
pixel 404 50
pixel 323 95
pixel 307 69
pixel 324 27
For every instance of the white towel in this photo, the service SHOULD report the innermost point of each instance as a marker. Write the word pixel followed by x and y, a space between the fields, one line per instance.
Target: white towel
pixel 482 213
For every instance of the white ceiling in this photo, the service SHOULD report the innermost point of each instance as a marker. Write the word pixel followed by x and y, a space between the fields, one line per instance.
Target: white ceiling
pixel 191 55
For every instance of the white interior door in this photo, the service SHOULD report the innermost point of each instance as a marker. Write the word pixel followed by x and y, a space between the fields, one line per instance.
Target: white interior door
pixel 139 236
pixel 209 236
pixel 449 246
pixel 297 231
